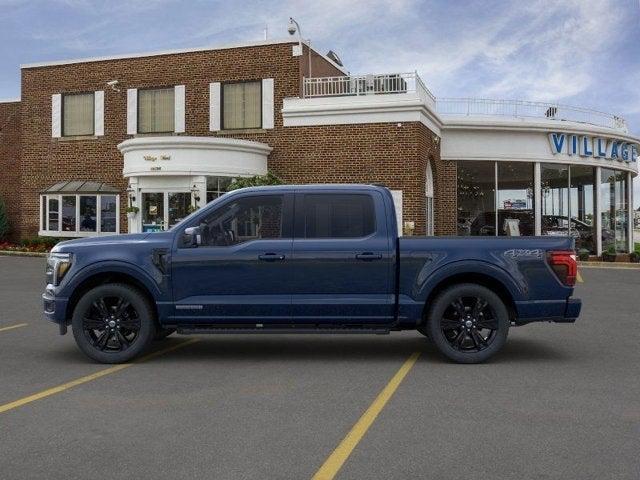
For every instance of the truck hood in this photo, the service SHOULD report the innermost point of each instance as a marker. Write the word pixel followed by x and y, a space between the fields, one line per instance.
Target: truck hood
pixel 111 240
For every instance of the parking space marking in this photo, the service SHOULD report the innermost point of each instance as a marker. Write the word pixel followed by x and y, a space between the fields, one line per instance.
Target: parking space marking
pixel 579 278
pixel 333 464
pixel 11 327
pixel 88 378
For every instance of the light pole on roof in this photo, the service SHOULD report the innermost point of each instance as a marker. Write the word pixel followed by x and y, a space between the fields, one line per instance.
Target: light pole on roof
pixel 292 29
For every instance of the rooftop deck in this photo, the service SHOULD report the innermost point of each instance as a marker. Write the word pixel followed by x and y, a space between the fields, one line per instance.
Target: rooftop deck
pixel 411 83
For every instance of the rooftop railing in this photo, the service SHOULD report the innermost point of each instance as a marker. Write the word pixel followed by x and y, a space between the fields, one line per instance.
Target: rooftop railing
pixel 526 109
pixel 399 83
pixel 356 85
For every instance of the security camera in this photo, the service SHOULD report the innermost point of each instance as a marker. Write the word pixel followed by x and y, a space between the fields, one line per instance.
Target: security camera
pixel 292 27
pixel 112 84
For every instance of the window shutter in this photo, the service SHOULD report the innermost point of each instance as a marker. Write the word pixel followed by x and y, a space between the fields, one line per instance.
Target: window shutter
pixel 98 112
pixel 267 103
pixel 132 111
pixel 179 99
pixel 215 112
pixel 56 115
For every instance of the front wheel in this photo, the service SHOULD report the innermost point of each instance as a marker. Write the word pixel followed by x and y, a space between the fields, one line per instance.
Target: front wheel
pixel 113 323
pixel 468 323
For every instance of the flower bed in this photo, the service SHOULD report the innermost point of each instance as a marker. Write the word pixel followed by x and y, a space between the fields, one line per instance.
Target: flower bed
pixel 32 245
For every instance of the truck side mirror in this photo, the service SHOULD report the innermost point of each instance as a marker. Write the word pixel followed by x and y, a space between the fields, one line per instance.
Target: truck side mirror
pixel 192 237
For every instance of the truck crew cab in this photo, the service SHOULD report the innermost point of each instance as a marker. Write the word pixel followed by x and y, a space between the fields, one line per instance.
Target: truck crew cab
pixel 297 259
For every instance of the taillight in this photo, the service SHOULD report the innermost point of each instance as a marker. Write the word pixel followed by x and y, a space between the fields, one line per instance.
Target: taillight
pixel 564 265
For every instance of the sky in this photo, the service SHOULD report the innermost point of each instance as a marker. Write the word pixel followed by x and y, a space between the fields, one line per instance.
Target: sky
pixel 577 52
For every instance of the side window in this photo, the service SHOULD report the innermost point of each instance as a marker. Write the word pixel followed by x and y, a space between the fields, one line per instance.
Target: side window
pixel 249 218
pixel 338 216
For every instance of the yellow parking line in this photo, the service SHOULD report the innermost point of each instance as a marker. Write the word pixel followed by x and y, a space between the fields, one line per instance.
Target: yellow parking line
pixel 334 463
pixel 579 278
pixel 94 376
pixel 4 329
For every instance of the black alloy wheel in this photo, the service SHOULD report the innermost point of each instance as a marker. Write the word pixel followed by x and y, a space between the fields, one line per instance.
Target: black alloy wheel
pixel 113 323
pixel 468 323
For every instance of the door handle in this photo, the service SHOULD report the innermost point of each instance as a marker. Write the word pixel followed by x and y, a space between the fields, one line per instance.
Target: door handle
pixel 368 256
pixel 271 257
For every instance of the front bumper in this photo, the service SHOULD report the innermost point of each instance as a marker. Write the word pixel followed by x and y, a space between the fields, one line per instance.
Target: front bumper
pixel 55 309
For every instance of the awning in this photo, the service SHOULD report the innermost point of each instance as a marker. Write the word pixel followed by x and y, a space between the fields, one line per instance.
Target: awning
pixel 81 186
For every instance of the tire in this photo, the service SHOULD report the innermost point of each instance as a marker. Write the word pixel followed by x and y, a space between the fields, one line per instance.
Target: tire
pixel 113 323
pixel 162 333
pixel 468 323
pixel 423 329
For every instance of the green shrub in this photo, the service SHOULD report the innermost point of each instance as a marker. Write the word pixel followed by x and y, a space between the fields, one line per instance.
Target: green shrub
pixel 583 254
pixel 255 181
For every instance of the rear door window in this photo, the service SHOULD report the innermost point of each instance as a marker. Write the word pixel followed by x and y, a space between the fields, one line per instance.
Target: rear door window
pixel 338 216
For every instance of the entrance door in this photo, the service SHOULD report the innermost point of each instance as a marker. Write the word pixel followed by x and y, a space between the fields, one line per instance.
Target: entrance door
pixel 342 259
pixel 240 273
pixel 162 210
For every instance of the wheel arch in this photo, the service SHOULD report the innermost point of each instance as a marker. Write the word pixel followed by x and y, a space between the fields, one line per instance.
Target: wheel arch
pixel 105 277
pixel 479 278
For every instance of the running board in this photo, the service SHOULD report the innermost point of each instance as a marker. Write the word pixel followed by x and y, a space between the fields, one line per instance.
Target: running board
pixel 199 330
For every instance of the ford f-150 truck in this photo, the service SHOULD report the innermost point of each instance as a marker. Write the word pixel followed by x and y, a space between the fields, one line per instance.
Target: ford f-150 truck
pixel 305 259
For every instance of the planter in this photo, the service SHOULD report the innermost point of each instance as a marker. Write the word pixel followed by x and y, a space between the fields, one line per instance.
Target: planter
pixel 609 257
pixel 634 257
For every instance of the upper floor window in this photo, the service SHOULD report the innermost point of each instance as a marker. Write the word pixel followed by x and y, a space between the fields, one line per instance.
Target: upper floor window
pixel 156 110
pixel 241 105
pixel 78 114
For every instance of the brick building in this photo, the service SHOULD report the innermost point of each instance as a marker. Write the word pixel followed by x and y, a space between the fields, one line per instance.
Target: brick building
pixel 167 131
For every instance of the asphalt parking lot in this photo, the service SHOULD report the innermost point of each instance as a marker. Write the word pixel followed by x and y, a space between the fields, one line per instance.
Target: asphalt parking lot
pixel 561 401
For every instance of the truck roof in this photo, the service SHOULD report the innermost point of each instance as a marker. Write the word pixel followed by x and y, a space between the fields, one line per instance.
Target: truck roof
pixel 317 187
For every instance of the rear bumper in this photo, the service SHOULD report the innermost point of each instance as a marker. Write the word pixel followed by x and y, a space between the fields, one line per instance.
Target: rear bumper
pixel 559 311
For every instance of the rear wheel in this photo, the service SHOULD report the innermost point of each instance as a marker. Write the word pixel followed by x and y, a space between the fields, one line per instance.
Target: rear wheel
pixel 113 323
pixel 468 323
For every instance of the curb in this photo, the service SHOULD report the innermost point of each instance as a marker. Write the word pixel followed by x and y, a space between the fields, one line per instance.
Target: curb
pixel 610 265
pixel 11 253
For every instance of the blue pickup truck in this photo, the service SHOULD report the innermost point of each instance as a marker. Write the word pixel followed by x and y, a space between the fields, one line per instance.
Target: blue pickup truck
pixel 305 259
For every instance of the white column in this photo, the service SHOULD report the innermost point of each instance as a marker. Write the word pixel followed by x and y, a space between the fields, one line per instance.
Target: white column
pixel 630 211
pixel 537 198
pixel 598 213
pixel 134 225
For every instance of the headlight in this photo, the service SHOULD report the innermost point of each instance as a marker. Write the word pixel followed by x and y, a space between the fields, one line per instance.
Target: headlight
pixel 58 264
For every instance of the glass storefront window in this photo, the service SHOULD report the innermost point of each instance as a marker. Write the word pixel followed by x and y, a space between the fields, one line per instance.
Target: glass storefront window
pixel 108 213
pixel 613 208
pixel 179 204
pixel 582 207
pixel 476 198
pixel 554 180
pixel 515 199
pixel 69 213
pixel 88 214
pixel 217 186
pixel 152 211
pixel 53 214
pixel 77 215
